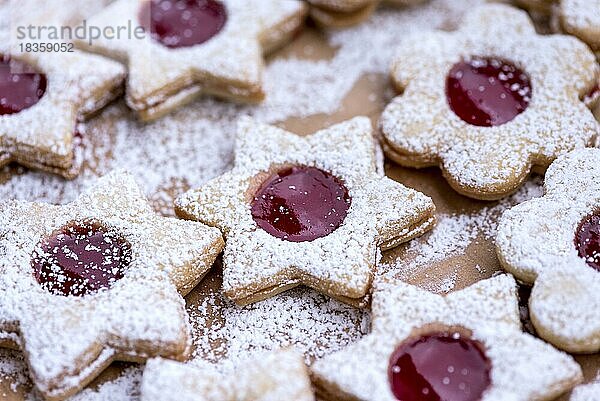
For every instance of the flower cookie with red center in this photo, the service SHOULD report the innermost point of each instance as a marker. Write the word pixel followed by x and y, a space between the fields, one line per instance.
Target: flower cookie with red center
pixel 184 48
pixel 97 280
pixel 582 19
pixel 553 242
pixel 279 375
pixel 489 102
pixel 465 346
pixel 305 210
pixel 43 97
pixel 344 13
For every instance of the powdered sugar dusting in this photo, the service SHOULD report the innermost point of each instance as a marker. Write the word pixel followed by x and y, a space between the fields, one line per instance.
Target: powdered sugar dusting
pixel 68 339
pixel 536 243
pixel 582 19
pixel 523 367
pixel 451 236
pixel 490 162
pixel 196 142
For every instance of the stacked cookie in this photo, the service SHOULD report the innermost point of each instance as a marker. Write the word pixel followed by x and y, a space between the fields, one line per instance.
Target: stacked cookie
pixel 103 278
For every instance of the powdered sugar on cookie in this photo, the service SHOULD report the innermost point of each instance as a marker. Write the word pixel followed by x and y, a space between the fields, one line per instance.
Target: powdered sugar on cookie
pixel 521 367
pixel 69 339
pixel 582 19
pixel 165 72
pixel 279 375
pixel 489 159
pixel 379 212
pixel 542 241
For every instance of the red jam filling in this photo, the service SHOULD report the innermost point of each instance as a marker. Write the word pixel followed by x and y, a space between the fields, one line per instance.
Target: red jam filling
pixel 183 23
pixel 19 91
pixel 587 240
pixel 441 366
pixel 300 204
pixel 80 258
pixel 486 91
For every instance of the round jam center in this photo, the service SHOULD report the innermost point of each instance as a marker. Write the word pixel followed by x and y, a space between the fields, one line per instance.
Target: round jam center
pixel 80 258
pixel 487 91
pixel 19 91
pixel 183 23
pixel 587 240
pixel 300 204
pixel 439 367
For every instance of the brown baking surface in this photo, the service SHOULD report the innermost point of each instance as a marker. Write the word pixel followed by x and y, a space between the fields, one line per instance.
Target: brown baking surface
pixel 359 101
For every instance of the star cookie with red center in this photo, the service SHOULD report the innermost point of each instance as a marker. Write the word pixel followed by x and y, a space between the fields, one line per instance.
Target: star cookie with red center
pixel 306 210
pixel 465 346
pixel 489 102
pixel 97 280
pixel 553 242
pixel 344 13
pixel 43 97
pixel 183 48
pixel 582 19
pixel 276 376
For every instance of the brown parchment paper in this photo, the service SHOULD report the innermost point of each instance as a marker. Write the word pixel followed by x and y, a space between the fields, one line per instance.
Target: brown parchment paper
pixel 360 101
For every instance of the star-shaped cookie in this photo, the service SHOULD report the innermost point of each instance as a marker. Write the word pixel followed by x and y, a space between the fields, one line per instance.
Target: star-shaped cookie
pixel 467 345
pixel 96 280
pixel 276 376
pixel 553 242
pixel 43 96
pixel 192 48
pixel 489 102
pixel 305 210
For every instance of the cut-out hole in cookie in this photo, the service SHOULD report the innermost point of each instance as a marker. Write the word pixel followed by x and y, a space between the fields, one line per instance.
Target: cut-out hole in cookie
pixel 587 240
pixel 81 258
pixel 487 91
pixel 300 203
pixel 183 23
pixel 20 86
pixel 443 365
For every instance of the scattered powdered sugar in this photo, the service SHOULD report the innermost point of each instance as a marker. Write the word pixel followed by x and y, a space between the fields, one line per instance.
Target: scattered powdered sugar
pixel 13 369
pixel 340 264
pixel 194 144
pixel 451 236
pixel 582 18
pixel 587 392
pixel 489 162
pixel 123 388
pixel 310 322
pixel 536 243
pixel 270 376
pixel 523 367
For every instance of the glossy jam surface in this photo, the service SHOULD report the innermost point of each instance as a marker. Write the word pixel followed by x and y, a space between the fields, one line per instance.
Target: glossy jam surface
pixel 300 204
pixel 20 86
pixel 587 240
pixel 439 367
pixel 183 23
pixel 80 258
pixel 487 91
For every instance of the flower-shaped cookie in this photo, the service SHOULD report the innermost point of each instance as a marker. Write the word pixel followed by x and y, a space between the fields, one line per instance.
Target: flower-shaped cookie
pixel 277 376
pixel 191 47
pixel 309 210
pixel 43 96
pixel 582 19
pixel 554 243
pixel 96 280
pixel 343 13
pixel 490 101
pixel 465 346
